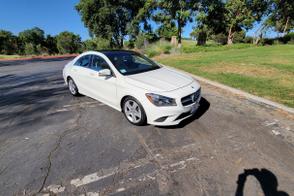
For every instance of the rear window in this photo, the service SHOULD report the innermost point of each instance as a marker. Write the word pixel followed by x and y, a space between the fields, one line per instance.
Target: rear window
pixel 83 61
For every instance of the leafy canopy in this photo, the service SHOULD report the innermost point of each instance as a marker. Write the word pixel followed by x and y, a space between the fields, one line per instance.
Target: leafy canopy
pixel 68 42
pixel 109 19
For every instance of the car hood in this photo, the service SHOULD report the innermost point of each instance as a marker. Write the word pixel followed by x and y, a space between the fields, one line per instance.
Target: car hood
pixel 159 80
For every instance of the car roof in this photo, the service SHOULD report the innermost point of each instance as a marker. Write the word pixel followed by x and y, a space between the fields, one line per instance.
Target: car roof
pixel 107 52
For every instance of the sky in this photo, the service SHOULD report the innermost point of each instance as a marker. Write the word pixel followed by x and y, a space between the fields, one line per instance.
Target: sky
pixel 52 16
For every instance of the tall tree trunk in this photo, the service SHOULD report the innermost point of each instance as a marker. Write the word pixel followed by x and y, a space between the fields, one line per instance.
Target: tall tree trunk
pixel 121 42
pixel 258 39
pixel 230 36
pixel 179 34
pixel 259 34
pixel 286 25
pixel 201 40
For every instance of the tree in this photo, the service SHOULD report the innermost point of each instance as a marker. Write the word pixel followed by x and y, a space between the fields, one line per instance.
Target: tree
pixel 140 26
pixel 179 11
pixel 109 19
pixel 34 36
pixel 51 44
pixel 210 20
pixel 241 14
pixel 32 40
pixel 8 42
pixel 167 30
pixel 68 42
pixel 282 16
pixel 96 44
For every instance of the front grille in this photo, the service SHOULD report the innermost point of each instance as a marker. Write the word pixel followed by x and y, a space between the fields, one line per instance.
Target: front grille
pixel 190 99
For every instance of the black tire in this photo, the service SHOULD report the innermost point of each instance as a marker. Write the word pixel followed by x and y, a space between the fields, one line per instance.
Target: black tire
pixel 72 87
pixel 143 119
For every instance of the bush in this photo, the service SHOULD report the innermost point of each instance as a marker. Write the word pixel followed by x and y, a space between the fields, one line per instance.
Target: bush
pixel 41 50
pixel 96 44
pixel 8 43
pixel 139 43
pixel 68 42
pixel 267 41
pixel 239 37
pixel 29 49
pixel 248 40
pixel 220 38
pixel 129 44
pixel 288 38
pixel 160 47
pixel 152 52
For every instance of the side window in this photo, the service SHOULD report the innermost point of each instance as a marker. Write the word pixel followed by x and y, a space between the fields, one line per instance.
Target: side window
pixel 98 63
pixel 84 61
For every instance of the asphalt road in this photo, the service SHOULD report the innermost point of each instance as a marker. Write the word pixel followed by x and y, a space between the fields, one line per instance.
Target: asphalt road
pixel 53 143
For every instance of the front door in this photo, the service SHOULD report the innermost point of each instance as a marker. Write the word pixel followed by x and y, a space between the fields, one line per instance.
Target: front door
pixel 102 87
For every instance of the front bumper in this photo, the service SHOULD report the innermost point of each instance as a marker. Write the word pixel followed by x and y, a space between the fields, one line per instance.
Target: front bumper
pixel 173 115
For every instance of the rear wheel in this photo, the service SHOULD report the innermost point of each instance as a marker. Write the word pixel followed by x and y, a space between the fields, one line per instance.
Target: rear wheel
pixel 73 89
pixel 134 111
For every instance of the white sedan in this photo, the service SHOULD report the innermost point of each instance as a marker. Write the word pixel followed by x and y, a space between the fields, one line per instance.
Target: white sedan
pixel 130 82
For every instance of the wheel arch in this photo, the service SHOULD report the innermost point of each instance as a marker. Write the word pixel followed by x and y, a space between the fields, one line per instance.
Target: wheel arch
pixel 122 101
pixel 67 78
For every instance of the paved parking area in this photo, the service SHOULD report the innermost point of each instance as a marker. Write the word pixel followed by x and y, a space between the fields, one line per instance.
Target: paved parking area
pixel 53 143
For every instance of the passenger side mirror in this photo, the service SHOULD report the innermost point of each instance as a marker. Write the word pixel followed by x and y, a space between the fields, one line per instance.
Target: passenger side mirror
pixel 104 72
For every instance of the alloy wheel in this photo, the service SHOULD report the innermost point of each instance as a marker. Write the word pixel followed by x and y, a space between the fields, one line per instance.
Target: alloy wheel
pixel 132 111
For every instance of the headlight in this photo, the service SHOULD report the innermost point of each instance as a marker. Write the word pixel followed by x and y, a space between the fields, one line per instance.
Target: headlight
pixel 160 100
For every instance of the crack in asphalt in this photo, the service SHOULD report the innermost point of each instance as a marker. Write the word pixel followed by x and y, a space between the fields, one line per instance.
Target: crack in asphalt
pixel 57 145
pixel 60 138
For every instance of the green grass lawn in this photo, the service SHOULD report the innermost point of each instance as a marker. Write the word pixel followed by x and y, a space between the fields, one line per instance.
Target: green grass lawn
pixel 266 71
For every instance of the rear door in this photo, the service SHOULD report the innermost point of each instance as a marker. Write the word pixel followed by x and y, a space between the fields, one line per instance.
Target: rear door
pixel 80 73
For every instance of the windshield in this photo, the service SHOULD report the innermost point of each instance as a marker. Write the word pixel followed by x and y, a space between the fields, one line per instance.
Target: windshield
pixel 128 63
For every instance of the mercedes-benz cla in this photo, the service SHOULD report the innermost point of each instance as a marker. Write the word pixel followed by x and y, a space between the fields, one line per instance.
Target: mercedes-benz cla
pixel 145 91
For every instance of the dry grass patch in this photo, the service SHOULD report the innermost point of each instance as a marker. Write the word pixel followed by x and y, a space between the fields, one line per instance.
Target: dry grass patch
pixel 242 69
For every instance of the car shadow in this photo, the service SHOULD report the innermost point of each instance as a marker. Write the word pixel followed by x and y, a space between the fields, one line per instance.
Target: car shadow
pixel 268 182
pixel 203 107
pixel 28 97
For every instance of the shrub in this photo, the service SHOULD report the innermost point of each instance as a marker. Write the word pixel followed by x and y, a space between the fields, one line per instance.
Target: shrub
pixel 29 48
pixel 239 37
pixel 220 38
pixel 129 44
pixel 288 38
pixel 160 47
pixel 102 43
pixel 68 42
pixel 139 43
pixel 152 52
pixel 248 40
pixel 267 41
pixel 96 44
pixel 41 50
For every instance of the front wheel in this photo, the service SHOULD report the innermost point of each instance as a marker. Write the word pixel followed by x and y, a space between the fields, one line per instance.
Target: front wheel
pixel 134 111
pixel 73 89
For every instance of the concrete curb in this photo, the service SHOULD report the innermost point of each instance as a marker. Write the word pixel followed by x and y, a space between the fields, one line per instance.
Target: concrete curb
pixel 248 96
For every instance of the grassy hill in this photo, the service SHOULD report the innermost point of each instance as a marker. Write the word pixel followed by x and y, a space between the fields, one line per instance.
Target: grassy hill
pixel 266 71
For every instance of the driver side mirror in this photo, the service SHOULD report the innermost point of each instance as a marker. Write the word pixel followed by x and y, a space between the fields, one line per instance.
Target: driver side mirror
pixel 104 72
